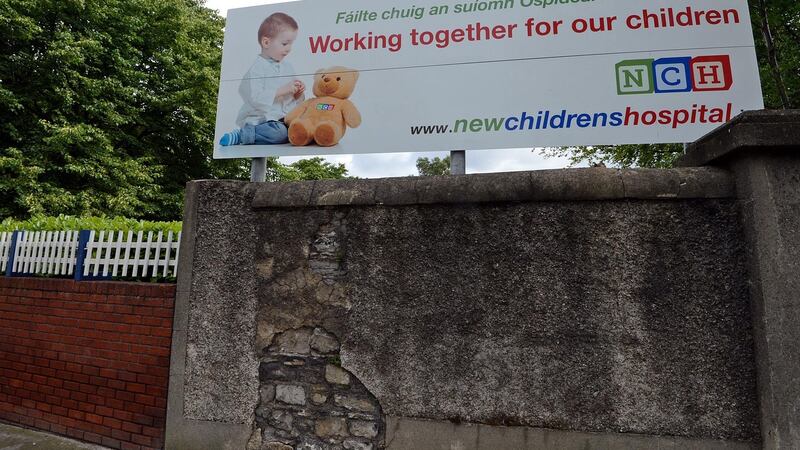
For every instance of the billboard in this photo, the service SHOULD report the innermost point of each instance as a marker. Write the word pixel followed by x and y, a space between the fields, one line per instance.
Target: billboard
pixel 358 76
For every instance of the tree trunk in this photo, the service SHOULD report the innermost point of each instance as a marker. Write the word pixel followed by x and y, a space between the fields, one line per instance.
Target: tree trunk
pixel 772 55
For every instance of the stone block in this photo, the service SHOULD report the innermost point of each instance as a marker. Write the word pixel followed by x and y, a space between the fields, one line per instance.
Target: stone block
pixel 363 429
pixel 353 403
pixel 336 375
pixel 331 427
pixel 276 446
pixel 323 342
pixel 282 420
pixel 352 444
pixel 293 342
pixel 319 394
pixel 267 393
pixel 291 395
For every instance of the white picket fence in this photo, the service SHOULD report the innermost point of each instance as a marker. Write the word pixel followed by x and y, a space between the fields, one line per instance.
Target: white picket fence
pixel 5 244
pixel 45 253
pixel 105 254
pixel 121 255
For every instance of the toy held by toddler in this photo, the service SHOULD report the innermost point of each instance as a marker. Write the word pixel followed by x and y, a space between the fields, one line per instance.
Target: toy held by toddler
pixel 269 89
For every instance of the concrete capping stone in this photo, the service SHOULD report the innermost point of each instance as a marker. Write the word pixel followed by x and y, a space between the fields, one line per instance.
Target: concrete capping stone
pixel 405 433
pixel 762 130
pixel 542 186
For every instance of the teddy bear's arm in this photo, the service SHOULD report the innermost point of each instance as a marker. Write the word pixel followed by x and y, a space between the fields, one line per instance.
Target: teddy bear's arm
pixel 297 112
pixel 351 115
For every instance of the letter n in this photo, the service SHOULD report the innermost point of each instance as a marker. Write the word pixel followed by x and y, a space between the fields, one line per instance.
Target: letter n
pixel 635 76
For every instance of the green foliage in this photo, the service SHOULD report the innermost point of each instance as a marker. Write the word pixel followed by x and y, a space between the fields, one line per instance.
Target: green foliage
pixel 71 223
pixel 107 106
pixel 305 169
pixel 783 17
pixel 655 156
pixel 433 167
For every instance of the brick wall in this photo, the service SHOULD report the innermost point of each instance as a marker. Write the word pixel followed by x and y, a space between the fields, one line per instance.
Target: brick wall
pixel 88 360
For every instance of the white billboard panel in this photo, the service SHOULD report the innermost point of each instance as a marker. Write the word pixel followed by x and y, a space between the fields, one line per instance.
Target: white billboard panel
pixel 482 74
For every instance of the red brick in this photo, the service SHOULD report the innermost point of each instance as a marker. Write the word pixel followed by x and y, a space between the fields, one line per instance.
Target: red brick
pixel 112 443
pixel 145 399
pixel 142 440
pixel 121 435
pixel 98 381
pixel 96 399
pixel 108 373
pixel 91 437
pixel 136 387
pixel 126 396
pixel 115 403
pixel 129 446
pixel 153 432
pixel 104 411
pixel 86 407
pixel 78 396
pixel 123 415
pixel 69 404
pixel 42 424
pixel 94 418
pixel 135 408
pixel 132 427
pixel 113 423
pixel 91 371
pixel 74 433
pixel 127 376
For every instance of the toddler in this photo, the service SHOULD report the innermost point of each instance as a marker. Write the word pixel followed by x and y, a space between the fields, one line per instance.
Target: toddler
pixel 269 89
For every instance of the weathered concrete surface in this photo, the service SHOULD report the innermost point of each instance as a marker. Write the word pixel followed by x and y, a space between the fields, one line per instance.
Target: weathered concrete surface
pixel 587 301
pixel 404 434
pixel 763 152
pixel 214 370
pixel 625 316
pixel 219 345
pixel 755 131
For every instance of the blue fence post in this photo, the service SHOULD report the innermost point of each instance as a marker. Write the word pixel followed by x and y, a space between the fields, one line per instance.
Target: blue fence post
pixel 83 242
pixel 12 250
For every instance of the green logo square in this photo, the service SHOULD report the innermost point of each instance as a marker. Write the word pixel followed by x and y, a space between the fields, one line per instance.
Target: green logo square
pixel 635 76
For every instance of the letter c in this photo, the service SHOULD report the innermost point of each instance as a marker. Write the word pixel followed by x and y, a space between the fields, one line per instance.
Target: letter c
pixel 666 81
pixel 509 127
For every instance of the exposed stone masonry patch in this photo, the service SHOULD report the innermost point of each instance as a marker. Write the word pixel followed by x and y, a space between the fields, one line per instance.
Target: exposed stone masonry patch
pixel 308 402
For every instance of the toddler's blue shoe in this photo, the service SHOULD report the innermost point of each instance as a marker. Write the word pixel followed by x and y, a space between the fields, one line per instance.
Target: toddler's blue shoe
pixel 232 138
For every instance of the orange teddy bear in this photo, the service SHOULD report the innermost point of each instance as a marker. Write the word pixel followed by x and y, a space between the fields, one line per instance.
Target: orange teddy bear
pixel 325 119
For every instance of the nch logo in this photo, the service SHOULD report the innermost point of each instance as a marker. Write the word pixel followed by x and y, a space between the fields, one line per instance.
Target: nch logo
pixel 665 75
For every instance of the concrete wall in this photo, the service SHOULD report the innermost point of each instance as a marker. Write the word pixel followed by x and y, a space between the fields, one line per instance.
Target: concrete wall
pixel 590 308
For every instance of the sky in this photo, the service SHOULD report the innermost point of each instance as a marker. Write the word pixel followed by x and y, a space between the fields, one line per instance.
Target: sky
pixel 404 164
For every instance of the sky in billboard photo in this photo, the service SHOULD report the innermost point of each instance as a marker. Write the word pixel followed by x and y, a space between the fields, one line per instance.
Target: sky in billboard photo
pixel 404 164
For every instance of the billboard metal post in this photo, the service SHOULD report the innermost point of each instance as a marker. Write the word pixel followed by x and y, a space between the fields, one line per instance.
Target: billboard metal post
pixel 458 162
pixel 258 170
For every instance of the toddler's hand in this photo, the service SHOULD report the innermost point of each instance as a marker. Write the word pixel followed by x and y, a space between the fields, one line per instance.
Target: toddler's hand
pixel 299 88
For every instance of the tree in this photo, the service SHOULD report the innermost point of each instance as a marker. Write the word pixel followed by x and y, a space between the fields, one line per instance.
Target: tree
pixel 427 167
pixel 305 169
pixel 776 25
pixel 106 106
